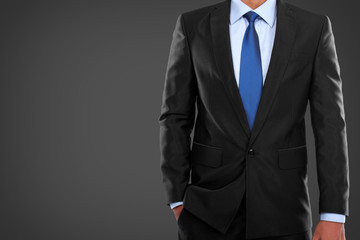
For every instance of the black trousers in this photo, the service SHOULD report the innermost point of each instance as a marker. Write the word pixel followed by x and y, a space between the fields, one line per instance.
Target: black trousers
pixel 191 227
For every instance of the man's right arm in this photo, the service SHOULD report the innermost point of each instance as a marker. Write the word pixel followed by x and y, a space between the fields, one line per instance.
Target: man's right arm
pixel 177 116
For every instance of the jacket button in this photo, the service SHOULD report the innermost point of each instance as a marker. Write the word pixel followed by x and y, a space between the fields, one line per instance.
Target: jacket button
pixel 251 152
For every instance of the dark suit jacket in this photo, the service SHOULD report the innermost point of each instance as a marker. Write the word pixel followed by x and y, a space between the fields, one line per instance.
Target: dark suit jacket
pixel 269 163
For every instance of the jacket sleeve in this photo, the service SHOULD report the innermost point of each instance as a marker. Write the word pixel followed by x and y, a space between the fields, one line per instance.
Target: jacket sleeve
pixel 329 127
pixel 177 116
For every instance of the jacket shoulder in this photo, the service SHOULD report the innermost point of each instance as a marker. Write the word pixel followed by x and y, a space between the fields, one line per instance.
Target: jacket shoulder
pixel 194 17
pixel 198 12
pixel 305 15
pixel 308 21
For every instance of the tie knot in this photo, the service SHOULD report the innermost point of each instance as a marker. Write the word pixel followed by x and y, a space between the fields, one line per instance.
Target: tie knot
pixel 251 16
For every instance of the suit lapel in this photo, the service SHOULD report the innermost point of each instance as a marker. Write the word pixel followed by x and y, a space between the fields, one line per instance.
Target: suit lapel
pixel 284 38
pixel 222 51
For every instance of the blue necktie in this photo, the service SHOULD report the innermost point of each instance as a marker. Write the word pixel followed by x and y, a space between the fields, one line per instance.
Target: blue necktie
pixel 251 79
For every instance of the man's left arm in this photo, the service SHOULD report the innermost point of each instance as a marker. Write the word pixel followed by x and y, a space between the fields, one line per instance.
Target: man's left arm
pixel 332 217
pixel 329 127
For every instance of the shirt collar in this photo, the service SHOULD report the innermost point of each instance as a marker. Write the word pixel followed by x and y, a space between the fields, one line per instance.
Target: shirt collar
pixel 266 11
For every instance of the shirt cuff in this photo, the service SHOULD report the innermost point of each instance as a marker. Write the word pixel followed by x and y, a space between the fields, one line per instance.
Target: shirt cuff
pixel 332 217
pixel 175 204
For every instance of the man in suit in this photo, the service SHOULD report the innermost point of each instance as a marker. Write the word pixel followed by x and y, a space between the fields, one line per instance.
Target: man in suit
pixel 251 67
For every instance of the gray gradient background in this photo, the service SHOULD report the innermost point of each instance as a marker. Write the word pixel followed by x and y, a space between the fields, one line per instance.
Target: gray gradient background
pixel 80 94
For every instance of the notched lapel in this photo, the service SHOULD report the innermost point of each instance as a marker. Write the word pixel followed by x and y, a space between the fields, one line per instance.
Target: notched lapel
pixel 283 42
pixel 219 24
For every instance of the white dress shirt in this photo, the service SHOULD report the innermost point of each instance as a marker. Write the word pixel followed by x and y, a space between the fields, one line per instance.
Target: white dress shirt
pixel 265 26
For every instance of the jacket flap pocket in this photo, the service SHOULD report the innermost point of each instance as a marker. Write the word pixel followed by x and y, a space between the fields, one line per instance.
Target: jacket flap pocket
pixel 293 157
pixel 206 155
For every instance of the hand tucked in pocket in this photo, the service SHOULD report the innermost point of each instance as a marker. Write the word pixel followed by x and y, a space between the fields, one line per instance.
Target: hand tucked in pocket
pixel 177 210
